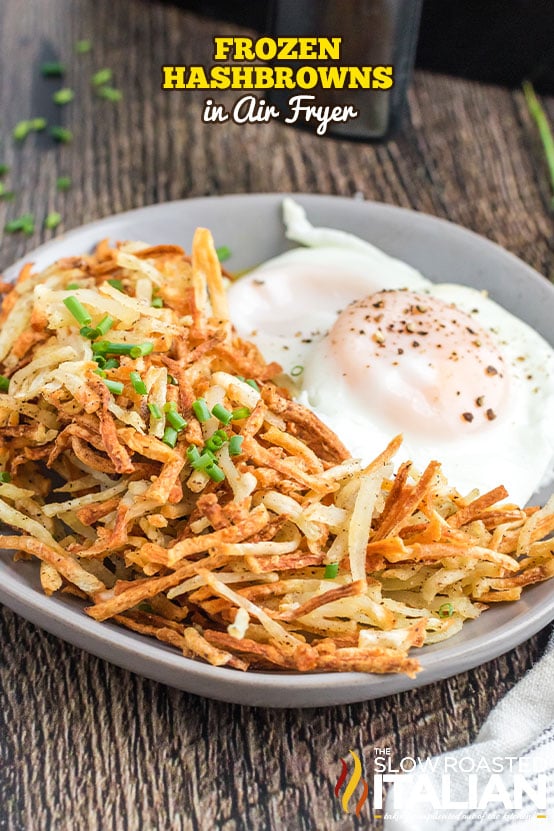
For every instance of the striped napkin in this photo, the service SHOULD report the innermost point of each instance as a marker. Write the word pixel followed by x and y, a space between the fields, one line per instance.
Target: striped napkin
pixel 513 754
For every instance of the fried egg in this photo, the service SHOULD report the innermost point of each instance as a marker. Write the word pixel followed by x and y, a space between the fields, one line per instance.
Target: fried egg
pixel 376 349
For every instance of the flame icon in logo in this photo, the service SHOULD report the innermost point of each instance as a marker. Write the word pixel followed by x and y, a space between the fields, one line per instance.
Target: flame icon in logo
pixel 351 786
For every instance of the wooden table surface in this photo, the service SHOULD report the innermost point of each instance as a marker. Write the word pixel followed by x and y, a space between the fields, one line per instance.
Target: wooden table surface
pixel 86 745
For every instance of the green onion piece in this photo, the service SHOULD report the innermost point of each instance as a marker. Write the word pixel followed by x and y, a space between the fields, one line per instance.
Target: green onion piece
pixel 297 370
pixel 171 380
pixel 5 476
pixel 100 372
pixel 240 377
pixel 89 332
pixel 222 414
pixel 21 130
pixel 83 46
pixel 193 454
pixel 25 223
pixel 5 193
pixel 155 411
pixel 170 405
pixel 240 413
pixel 111 363
pixel 103 76
pixel 100 361
pixel 114 386
pixel 157 302
pixel 223 253
pixel 135 350
pixel 545 131
pixel 200 409
pixel 204 460
pixel 105 324
pixel 110 93
pixel 215 443
pixel 446 610
pixel 72 286
pixel 4 383
pixel 52 69
pixel 63 96
pixel 235 445
pixel 52 220
pixel 253 384
pixel 331 571
pixel 176 420
pixel 63 183
pixel 215 473
pixel 170 436
pixel 116 284
pixel 38 124
pixel 138 384
pixel 78 311
pixel 61 134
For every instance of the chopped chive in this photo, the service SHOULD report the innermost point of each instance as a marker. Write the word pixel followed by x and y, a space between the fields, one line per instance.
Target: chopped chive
pixel 138 384
pixel 72 286
pixel 253 384
pixel 4 383
pixel 5 476
pixel 102 77
pixel 171 380
pixel 116 284
pixel 78 311
pixel 52 220
pixel 193 454
pixel 155 411
pixel 63 96
pixel 109 93
pixel 214 472
pixel 135 350
pixel 111 363
pixel 100 361
pixel 100 372
pixel 25 223
pixel 61 134
pixel 446 610
pixel 4 169
pixel 176 420
pixel 331 571
pixel 88 332
pixel 116 387
pixel 297 370
pixel 157 302
pixel 21 130
pixel 235 445
pixel 240 413
pixel 200 409
pixel 105 325
pixel 83 46
pixel 5 193
pixel 222 414
pixel 52 69
pixel 63 183
pixel 170 436
pixel 215 442
pixel 223 253
pixel 204 460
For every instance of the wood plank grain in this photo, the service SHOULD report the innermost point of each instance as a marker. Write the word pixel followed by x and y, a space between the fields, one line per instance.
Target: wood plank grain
pixel 83 744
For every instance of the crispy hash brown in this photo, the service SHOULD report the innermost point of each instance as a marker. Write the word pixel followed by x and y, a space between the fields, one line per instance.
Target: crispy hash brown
pixel 156 470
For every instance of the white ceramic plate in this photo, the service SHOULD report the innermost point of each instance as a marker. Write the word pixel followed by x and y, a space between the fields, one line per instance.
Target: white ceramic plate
pixel 251 226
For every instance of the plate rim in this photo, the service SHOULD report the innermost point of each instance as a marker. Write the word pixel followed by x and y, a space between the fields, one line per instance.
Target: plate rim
pixel 121 647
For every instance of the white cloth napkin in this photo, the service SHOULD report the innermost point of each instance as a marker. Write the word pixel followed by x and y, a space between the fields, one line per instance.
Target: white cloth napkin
pixel 521 726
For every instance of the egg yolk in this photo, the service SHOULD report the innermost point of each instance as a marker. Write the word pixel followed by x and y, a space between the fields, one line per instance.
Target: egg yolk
pixel 421 363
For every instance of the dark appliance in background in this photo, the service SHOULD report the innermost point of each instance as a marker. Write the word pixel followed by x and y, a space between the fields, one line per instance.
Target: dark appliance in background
pixel 496 41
